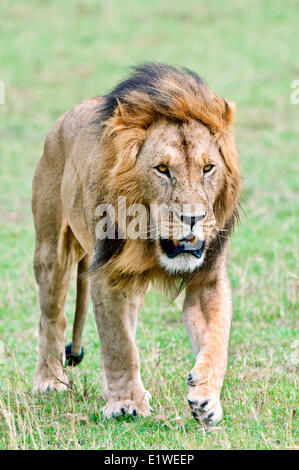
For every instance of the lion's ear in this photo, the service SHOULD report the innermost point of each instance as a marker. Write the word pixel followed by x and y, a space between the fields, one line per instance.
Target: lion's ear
pixel 121 112
pixel 133 116
pixel 229 113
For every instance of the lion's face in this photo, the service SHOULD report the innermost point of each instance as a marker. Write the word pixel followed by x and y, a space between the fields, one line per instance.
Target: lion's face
pixel 166 140
pixel 181 172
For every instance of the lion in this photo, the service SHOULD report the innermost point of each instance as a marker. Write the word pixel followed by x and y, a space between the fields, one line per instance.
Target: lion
pixel 160 137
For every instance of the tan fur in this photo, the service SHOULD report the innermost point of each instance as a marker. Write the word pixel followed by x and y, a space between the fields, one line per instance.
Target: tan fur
pixel 81 168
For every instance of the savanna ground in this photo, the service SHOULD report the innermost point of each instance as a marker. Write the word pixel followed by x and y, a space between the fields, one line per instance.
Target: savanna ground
pixel 54 54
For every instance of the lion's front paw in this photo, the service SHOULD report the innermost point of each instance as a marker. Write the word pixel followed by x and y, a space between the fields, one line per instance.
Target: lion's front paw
pixel 207 410
pixel 204 403
pixel 128 407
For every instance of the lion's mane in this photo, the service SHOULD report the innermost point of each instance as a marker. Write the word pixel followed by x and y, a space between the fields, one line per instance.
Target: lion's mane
pixel 152 92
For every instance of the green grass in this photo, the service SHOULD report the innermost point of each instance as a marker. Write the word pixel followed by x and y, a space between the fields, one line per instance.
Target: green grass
pixel 54 54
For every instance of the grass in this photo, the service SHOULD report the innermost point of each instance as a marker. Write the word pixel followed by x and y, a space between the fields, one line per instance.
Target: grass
pixel 54 54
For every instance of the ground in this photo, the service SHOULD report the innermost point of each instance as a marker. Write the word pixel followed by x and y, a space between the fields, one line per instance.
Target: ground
pixel 54 54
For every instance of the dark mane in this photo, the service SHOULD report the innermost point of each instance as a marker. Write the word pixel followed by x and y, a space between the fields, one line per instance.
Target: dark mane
pixel 123 121
pixel 157 89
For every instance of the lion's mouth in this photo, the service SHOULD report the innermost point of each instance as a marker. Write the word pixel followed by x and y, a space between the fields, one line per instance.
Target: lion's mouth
pixel 173 248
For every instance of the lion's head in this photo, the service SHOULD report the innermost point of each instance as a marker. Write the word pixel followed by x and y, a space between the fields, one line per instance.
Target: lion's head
pixel 167 141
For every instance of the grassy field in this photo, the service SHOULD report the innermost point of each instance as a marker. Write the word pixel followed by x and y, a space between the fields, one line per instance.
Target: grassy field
pixel 54 54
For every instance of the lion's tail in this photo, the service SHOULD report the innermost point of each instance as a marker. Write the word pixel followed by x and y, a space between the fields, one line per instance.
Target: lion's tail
pixel 74 350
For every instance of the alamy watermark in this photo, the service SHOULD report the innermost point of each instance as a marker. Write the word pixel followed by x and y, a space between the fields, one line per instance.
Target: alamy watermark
pixel 295 94
pixel 2 92
pixel 176 221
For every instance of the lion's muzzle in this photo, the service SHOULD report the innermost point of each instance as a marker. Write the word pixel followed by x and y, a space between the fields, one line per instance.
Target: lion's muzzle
pixel 173 248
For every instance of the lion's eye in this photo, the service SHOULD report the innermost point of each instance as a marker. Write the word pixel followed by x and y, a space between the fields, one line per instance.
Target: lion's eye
pixel 163 169
pixel 207 168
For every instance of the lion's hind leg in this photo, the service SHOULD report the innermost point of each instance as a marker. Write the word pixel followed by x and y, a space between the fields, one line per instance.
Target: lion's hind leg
pixel 53 264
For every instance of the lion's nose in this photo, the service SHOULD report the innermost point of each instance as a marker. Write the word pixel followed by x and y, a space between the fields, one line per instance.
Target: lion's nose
pixel 192 220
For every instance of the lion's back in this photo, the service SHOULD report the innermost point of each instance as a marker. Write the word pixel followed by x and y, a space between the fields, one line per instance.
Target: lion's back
pixel 62 166
pixel 79 118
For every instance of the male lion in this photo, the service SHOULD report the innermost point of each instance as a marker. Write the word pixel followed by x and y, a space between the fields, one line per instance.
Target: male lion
pixel 160 137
